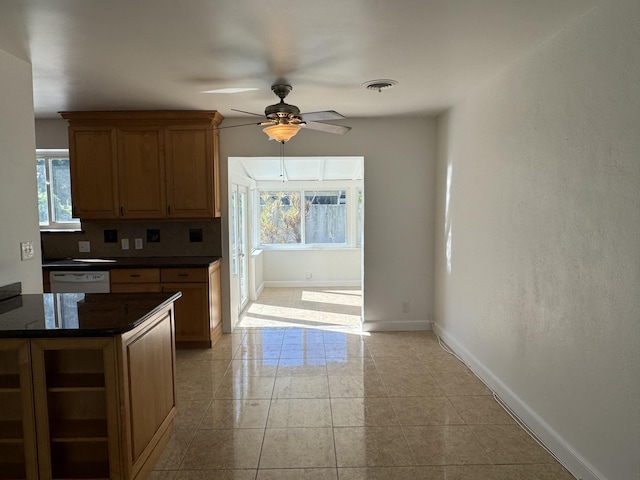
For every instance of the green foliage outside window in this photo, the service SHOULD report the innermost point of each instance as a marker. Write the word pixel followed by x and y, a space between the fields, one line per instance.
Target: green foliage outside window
pixel 280 214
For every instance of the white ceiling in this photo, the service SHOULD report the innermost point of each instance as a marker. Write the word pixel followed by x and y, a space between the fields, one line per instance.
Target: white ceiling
pixel 301 169
pixel 160 54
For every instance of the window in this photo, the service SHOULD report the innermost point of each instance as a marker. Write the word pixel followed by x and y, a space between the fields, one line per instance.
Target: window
pixel 280 218
pixel 54 190
pixel 299 218
pixel 325 217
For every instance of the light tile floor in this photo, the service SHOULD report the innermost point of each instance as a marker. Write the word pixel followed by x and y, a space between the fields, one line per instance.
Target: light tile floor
pixel 297 393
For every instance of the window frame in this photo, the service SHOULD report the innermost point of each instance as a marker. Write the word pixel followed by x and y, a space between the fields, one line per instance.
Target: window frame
pixel 350 188
pixel 48 155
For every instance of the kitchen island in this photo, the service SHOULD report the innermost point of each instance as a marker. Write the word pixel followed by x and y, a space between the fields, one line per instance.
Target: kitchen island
pixel 87 384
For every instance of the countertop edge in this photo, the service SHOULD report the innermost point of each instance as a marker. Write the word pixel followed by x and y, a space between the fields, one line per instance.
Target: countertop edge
pixel 129 262
pixel 90 332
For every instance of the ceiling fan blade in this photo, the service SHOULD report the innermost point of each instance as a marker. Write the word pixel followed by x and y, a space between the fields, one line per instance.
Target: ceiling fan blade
pixel 321 116
pixel 248 113
pixel 327 127
pixel 241 125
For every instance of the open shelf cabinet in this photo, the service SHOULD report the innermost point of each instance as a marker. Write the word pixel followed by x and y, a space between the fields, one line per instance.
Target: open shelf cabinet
pixel 17 426
pixel 76 405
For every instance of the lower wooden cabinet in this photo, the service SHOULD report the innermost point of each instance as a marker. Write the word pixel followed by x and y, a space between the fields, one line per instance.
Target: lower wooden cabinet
pixel 104 407
pixel 198 313
pixel 17 426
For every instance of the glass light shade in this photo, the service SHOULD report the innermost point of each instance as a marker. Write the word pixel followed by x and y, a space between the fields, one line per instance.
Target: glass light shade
pixel 282 132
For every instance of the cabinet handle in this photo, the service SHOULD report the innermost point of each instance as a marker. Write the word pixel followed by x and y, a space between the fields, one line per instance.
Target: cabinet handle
pixel 183 274
pixel 122 211
pixel 134 275
pixel 168 209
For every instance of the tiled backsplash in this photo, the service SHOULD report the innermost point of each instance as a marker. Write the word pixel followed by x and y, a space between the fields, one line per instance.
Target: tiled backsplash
pixel 159 239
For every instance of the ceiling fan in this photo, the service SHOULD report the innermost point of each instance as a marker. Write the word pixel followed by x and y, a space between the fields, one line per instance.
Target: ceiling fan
pixel 283 120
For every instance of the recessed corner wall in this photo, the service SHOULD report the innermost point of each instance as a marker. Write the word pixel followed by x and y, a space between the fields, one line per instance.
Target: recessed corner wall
pixel 538 239
pixel 18 191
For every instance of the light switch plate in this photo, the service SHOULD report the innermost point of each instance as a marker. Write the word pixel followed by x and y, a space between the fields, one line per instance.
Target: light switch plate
pixel 125 244
pixel 26 250
pixel 138 243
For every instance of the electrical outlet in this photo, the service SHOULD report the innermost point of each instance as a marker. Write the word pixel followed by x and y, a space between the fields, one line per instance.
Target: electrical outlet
pixel 125 244
pixel 138 243
pixel 84 246
pixel 307 275
pixel 26 251
pixel 405 307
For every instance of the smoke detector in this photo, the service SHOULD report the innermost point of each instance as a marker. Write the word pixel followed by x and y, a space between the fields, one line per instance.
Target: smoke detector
pixel 379 85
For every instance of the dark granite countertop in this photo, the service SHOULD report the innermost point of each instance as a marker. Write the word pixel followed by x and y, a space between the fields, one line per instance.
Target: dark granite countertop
pixel 127 262
pixel 78 314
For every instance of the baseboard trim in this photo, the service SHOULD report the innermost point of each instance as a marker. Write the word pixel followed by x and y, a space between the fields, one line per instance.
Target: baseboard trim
pixel 311 284
pixel 396 325
pixel 565 454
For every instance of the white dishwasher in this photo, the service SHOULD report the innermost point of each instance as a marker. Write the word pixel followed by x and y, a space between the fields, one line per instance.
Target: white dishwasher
pixel 80 281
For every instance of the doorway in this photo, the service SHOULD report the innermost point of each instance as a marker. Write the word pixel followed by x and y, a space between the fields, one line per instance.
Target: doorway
pixel 294 223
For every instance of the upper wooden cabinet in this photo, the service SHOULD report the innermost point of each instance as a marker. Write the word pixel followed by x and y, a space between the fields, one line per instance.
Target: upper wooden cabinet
pixel 94 172
pixel 144 165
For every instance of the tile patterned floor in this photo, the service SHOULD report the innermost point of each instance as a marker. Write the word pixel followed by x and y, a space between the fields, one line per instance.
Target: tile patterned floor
pixel 299 394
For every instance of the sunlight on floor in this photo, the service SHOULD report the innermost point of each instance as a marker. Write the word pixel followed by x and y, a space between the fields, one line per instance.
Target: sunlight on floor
pixel 332 309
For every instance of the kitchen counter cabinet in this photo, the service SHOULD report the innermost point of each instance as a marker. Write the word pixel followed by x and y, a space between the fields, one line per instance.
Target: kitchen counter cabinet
pixel 144 165
pixel 198 313
pixel 101 381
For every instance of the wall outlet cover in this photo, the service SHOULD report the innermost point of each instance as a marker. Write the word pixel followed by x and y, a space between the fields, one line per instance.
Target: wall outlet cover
pixel 26 251
pixel 125 244
pixel 138 243
pixel 84 246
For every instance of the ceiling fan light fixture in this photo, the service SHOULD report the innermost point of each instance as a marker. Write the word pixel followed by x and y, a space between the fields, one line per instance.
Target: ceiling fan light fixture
pixel 282 132
pixel 379 85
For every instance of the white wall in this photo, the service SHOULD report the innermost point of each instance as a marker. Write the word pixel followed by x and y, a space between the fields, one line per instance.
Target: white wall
pixel 52 133
pixel 538 239
pixel 329 267
pixel 18 191
pixel 399 167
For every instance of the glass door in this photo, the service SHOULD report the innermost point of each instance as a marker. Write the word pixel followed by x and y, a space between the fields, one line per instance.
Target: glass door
pixel 239 246
pixel 243 247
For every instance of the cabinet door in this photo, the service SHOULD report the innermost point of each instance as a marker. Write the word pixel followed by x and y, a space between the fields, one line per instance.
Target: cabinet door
pixel 17 426
pixel 148 364
pixel 189 170
pixel 94 172
pixel 191 313
pixel 141 172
